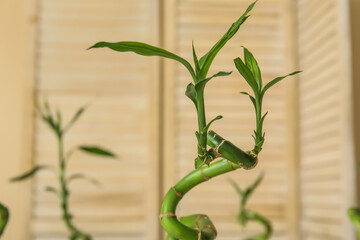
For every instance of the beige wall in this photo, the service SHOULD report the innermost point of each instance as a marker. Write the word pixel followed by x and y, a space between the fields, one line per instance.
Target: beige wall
pixel 15 93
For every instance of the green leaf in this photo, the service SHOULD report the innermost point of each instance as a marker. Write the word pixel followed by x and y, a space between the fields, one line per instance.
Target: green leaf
pixel 144 50
pixel 276 80
pixel 201 85
pixel 196 60
pixel 209 124
pixel 251 189
pixel 252 64
pixel 52 190
pixel 207 59
pixel 247 74
pixel 236 186
pixel 84 177
pixel 30 173
pixel 262 118
pixel 251 98
pixel 76 116
pixel 96 150
pixel 191 93
pixel 199 163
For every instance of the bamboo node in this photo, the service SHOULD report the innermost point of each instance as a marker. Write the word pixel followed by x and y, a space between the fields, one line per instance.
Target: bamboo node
pixel 203 175
pixel 217 148
pixel 256 160
pixel 179 194
pixel 169 214
pixel 231 165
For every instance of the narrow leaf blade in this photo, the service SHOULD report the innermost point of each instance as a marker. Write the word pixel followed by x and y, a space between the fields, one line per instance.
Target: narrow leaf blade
pixel 83 177
pixel 252 64
pixel 196 60
pixel 276 80
pixel 52 190
pixel 76 116
pixel 246 73
pixel 208 58
pixel 201 84
pixel 236 187
pixel 29 173
pixel 144 50
pixel 96 150
pixel 209 124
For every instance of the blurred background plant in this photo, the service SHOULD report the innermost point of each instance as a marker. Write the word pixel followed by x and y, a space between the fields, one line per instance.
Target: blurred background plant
pixel 246 215
pixel 53 119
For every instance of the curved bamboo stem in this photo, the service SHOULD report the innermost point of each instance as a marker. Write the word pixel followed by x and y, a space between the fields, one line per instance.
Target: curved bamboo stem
pixel 248 215
pixel 181 230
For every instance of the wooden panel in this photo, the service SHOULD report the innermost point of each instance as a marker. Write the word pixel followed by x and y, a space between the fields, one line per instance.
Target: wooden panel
pixel 265 35
pixel 327 161
pixel 122 116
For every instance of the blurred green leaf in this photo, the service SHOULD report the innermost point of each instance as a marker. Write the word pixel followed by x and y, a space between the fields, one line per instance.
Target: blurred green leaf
pixel 236 186
pixel 4 218
pixel 76 116
pixel 252 64
pixel 207 59
pixel 145 50
pixel 30 173
pixel 83 177
pixel 251 189
pixel 52 190
pixel 96 150
pixel 276 80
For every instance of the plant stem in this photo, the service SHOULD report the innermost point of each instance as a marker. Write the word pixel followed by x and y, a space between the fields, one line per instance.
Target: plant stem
pixel 169 221
pixel 201 124
pixel 64 195
pixel 262 220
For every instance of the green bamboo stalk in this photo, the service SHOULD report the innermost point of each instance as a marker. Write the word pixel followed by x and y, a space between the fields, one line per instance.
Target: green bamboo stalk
pixel 54 121
pixel 246 215
pixel 4 218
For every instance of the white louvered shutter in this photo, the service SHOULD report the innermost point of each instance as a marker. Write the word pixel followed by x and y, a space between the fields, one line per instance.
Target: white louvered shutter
pixel 122 117
pixel 264 33
pixel 327 168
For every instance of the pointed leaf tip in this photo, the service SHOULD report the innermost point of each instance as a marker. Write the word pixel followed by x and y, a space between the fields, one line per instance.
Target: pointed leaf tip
pixel 29 173
pixel 144 50
pixel 276 80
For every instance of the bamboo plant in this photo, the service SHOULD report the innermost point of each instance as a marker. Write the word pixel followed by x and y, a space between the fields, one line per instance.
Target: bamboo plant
pixel 53 119
pixel 4 218
pixel 208 163
pixel 246 215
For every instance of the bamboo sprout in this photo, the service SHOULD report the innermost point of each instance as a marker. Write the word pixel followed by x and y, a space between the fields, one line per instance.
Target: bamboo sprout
pixel 246 215
pixel 199 226
pixel 54 121
pixel 4 218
